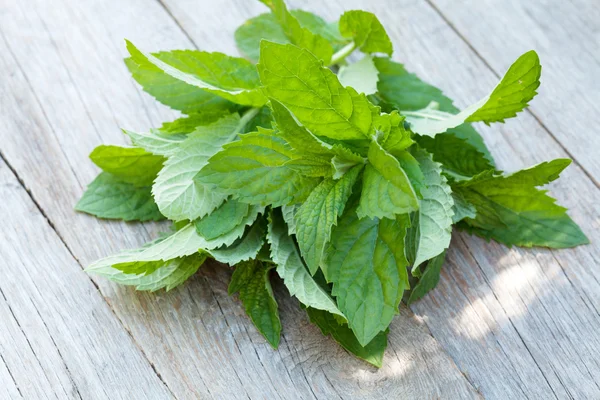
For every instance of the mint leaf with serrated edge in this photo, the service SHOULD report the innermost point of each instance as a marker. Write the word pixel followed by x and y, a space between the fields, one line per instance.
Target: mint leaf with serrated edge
pixel 319 213
pixel 512 95
pixel 511 210
pixel 297 79
pixel 129 164
pixel 253 170
pixel 111 198
pixel 432 224
pixel 231 78
pixel 343 174
pixel 386 190
pixel 251 280
pixel 367 266
pixel 366 32
pixel 292 270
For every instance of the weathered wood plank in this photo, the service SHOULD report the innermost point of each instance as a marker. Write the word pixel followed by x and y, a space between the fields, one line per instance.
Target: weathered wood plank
pixel 58 337
pixel 62 93
pixel 566 36
pixel 9 389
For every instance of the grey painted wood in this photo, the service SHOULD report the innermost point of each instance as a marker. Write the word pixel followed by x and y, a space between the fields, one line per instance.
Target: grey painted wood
pixel 519 323
pixel 566 36
pixel 68 92
pixel 58 337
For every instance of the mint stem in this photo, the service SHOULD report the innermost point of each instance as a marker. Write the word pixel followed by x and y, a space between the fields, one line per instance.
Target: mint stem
pixel 343 53
pixel 246 117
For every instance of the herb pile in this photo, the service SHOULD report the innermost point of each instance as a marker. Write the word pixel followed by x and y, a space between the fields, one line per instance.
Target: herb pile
pixel 345 179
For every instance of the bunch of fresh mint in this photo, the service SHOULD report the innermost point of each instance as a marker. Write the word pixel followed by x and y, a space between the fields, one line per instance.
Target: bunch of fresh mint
pixel 344 178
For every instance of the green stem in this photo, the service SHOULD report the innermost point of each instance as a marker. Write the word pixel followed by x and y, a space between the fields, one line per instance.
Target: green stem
pixel 246 117
pixel 342 53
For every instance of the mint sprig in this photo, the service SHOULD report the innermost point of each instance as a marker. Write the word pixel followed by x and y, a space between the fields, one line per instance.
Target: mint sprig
pixel 345 179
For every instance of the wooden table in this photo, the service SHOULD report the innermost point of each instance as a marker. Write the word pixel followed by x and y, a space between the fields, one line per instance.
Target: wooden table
pixel 503 323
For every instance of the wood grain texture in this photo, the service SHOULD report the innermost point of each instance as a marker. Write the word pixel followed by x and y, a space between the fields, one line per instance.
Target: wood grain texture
pixel 566 36
pixel 58 337
pixel 68 92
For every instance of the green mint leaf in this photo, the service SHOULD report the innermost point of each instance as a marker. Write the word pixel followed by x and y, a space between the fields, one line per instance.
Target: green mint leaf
pixel 386 190
pixel 129 164
pixel 178 195
pixel 153 275
pixel 156 142
pixel 297 79
pixel 151 257
pixel 171 91
pixel 319 213
pixel 298 35
pixel 182 243
pixel 266 26
pixel 244 248
pixel 318 26
pixel 289 216
pixel 412 167
pixel 262 119
pixel 405 91
pixel 219 232
pixel 111 198
pixel 231 78
pixel 367 266
pixel 361 75
pixel 433 225
pixel 341 333
pixel 366 31
pixel 253 170
pixel 397 137
pixel 189 123
pixel 344 160
pixel 459 159
pixel 251 280
pixel 292 270
pixel 528 216
pixel 299 138
pixel 224 219
pixel 512 95
pixel 462 208
pixel 429 278
pixel 313 156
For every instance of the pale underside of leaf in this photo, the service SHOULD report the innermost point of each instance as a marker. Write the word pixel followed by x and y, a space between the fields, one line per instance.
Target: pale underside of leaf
pixel 156 142
pixel 435 212
pixel 292 270
pixel 178 195
pixel 361 75
pixel 166 274
pixel 244 248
